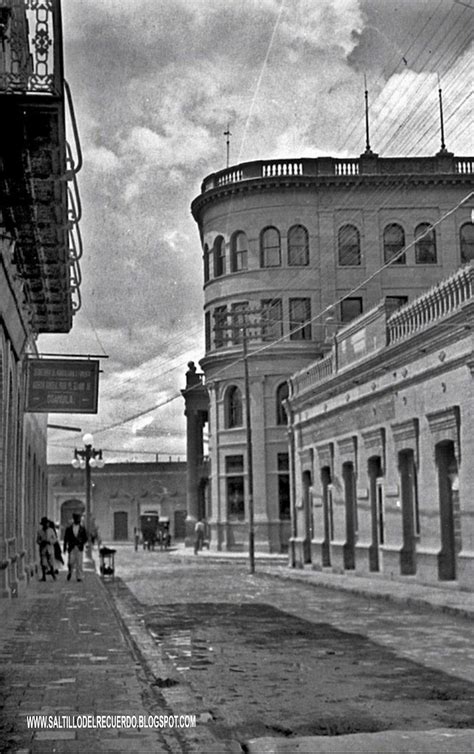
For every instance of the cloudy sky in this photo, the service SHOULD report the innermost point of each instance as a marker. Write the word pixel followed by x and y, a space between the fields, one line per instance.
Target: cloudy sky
pixel 155 83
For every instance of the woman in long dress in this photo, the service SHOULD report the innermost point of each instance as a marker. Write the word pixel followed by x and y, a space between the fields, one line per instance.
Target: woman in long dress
pixel 46 539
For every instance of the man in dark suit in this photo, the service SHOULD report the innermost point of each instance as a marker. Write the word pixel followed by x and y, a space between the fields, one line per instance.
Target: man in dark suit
pixel 75 537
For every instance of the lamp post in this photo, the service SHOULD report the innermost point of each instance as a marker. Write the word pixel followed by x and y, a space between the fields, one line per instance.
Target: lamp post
pixel 88 458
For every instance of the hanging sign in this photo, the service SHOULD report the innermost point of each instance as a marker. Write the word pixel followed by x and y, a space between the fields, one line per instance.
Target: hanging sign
pixel 62 386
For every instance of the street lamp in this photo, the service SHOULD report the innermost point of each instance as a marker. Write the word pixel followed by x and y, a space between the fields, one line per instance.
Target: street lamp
pixel 88 458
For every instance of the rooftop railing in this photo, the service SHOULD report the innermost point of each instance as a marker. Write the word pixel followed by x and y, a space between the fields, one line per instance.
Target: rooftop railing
pixel 348 168
pixel 316 373
pixel 440 301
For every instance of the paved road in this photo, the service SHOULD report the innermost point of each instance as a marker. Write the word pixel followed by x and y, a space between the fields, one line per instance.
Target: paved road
pixel 259 656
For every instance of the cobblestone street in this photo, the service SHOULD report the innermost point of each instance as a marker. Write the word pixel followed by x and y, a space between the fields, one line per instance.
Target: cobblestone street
pixel 258 656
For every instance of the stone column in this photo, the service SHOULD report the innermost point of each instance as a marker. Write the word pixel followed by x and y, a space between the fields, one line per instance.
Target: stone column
pixel 196 410
pixel 193 458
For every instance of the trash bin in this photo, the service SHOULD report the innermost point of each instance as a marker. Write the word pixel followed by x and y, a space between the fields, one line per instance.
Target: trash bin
pixel 107 562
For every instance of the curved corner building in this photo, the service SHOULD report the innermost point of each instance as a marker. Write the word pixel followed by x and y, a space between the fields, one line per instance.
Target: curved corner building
pixel 292 249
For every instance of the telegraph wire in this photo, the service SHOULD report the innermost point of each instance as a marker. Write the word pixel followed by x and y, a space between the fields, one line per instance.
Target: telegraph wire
pixel 199 329
pixel 326 310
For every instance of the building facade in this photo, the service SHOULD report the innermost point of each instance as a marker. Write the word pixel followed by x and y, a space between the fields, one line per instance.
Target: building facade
pixel 292 251
pixel 121 492
pixel 39 275
pixel 383 441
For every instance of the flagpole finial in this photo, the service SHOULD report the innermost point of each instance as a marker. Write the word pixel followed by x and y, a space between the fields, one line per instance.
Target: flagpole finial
pixel 367 138
pixel 228 134
pixel 441 120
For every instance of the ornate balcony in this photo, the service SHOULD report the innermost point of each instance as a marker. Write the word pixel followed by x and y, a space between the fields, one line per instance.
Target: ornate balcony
pixel 40 210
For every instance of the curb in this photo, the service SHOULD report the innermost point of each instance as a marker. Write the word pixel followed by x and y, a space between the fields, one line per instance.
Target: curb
pixel 407 600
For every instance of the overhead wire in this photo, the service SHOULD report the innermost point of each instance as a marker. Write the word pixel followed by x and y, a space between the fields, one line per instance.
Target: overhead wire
pixel 255 352
pixel 152 367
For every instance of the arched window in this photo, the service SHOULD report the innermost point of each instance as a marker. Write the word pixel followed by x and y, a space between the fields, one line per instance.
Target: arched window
pixel 233 407
pixel 348 241
pixel 298 246
pixel 270 248
pixel 281 395
pixel 219 257
pixel 466 240
pixel 393 243
pixel 239 252
pixel 425 244
pixel 206 263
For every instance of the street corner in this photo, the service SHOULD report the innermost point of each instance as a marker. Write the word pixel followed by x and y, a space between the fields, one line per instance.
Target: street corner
pixel 438 741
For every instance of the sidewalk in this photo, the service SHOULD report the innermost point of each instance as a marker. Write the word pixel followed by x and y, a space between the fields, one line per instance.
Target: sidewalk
pixel 444 597
pixel 63 652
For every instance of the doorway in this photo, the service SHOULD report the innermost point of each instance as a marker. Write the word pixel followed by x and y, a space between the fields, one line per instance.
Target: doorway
pixel 376 511
pixel 307 516
pixel 348 475
pixel 120 526
pixel 410 515
pixel 449 512
pixel 328 520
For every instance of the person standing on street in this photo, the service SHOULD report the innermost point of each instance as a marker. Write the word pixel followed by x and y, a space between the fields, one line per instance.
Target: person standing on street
pixel 198 535
pixel 75 537
pixel 45 539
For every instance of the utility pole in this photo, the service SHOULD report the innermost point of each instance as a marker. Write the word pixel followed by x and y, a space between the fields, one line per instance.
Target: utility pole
pixel 248 428
pixel 239 321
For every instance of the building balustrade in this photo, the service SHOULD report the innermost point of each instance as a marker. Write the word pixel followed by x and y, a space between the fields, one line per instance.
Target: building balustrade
pixel 464 165
pixel 321 167
pixel 440 301
pixel 317 372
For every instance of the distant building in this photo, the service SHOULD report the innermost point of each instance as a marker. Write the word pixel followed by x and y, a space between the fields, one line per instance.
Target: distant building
pixel 282 241
pixel 39 276
pixel 121 492
pixel 383 440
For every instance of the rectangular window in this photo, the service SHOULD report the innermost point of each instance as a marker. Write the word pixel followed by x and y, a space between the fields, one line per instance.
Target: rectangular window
pixel 272 319
pixel 234 469
pixel 284 485
pixel 300 313
pixel 350 309
pixel 239 320
pixel 396 301
pixel 221 325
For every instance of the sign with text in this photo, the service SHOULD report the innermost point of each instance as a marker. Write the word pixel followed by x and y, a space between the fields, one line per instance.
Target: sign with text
pixel 62 386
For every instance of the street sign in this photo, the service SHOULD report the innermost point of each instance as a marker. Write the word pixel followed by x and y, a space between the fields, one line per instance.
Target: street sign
pixel 62 386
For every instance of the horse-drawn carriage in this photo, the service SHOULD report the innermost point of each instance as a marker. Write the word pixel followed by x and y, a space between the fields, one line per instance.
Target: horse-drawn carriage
pixel 155 530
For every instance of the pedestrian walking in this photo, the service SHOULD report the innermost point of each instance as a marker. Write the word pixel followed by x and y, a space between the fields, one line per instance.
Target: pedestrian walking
pixel 45 539
pixel 199 530
pixel 58 558
pixel 75 537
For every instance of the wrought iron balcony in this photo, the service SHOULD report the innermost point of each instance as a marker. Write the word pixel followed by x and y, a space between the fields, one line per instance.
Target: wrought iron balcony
pixel 40 210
